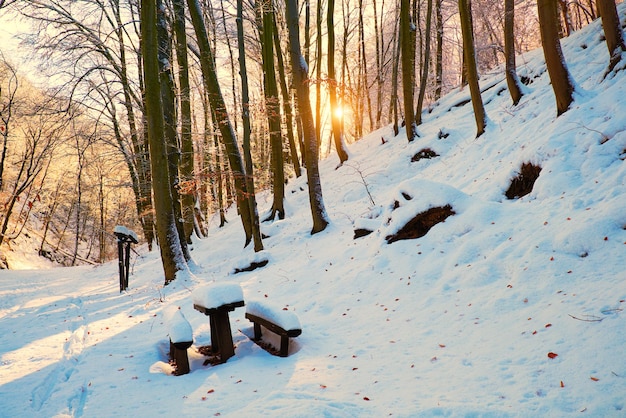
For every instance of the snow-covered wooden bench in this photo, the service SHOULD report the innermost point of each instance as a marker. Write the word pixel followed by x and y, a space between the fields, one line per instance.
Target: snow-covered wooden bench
pixel 181 337
pixel 277 320
pixel 215 301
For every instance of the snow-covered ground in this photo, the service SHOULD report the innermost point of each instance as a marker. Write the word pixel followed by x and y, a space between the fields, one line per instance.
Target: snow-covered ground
pixel 508 308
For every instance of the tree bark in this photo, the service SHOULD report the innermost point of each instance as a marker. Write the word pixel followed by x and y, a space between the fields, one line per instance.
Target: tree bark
pixel 439 53
pixel 612 32
pixel 287 104
pixel 562 84
pixel 512 81
pixel 408 68
pixel 168 103
pixel 470 66
pixel 169 243
pixel 272 107
pixel 332 85
pixel 425 64
pixel 301 83
pixel 188 184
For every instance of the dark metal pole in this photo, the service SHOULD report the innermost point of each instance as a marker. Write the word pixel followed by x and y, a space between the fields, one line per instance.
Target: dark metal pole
pixel 127 264
pixel 120 252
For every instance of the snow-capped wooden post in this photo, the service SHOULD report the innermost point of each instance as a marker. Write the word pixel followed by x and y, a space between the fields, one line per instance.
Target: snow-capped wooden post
pixel 215 301
pixel 124 238
pixel 181 338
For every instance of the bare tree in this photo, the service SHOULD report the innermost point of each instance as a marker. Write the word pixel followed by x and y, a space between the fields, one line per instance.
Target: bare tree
pixel 172 256
pixel 469 56
pixel 612 32
pixel 300 80
pixel 512 81
pixel 332 85
pixel 407 27
pixel 562 84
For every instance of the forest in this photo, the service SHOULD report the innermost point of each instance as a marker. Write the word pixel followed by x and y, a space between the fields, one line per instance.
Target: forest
pixel 160 114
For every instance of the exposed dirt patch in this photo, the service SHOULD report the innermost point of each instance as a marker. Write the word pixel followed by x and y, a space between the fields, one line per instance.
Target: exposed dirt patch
pixel 421 223
pixel 361 232
pixel 424 153
pixel 253 266
pixel 524 182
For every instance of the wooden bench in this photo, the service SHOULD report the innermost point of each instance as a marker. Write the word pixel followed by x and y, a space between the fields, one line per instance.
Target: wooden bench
pixel 216 301
pixel 277 320
pixel 181 338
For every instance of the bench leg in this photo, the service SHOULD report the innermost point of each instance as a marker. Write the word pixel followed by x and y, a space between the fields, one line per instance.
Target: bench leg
pixel 284 346
pixel 224 336
pixel 180 358
pixel 215 344
pixel 257 331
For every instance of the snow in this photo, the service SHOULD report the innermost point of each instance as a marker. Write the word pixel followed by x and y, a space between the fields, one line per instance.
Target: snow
pixel 508 308
pixel 217 294
pixel 285 319
pixel 122 230
pixel 178 328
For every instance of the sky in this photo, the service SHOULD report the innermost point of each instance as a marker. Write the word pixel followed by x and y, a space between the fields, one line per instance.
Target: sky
pixel 509 308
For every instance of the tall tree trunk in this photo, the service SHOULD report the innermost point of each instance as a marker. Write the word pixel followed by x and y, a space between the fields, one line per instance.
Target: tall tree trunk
pixel 188 184
pixel 562 84
pixel 470 66
pixel 168 103
pixel 425 65
pixel 394 82
pixel 379 67
pixel 318 75
pixel 245 115
pixel 408 68
pixel 218 105
pixel 612 32
pixel 363 64
pixel 301 83
pixel 169 244
pixel 332 84
pixel 287 105
pixel 272 107
pixel 512 81
pixel 439 53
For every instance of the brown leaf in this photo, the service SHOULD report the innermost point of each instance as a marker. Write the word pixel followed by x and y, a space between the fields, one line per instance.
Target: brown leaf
pixel 552 355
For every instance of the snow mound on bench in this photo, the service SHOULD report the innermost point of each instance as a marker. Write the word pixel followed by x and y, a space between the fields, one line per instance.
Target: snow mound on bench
pixel 178 328
pixel 287 320
pixel 217 294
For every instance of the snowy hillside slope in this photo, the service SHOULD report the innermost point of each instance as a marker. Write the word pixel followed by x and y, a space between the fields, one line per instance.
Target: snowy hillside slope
pixel 511 307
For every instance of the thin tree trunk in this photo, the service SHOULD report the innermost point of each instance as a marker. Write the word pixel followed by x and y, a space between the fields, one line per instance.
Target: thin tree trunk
pixel 470 66
pixel 364 80
pixel 408 67
pixel 245 115
pixel 332 85
pixel 287 105
pixel 512 81
pixel 425 65
pixel 439 53
pixel 189 192
pixel 273 111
